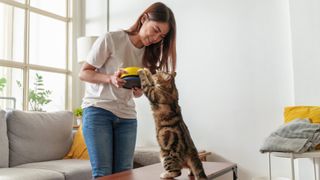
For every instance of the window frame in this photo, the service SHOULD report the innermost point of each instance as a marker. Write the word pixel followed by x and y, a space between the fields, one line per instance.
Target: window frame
pixel 25 66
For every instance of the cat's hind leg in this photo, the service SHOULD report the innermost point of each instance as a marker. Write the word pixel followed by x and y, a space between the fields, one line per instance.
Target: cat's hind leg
pixel 172 167
pixel 196 167
pixel 190 172
pixel 170 174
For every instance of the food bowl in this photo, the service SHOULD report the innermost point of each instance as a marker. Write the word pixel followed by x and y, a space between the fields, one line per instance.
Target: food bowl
pixel 131 77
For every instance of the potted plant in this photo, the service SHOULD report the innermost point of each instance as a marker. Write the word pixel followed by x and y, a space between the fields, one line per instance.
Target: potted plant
pixel 38 96
pixel 78 114
pixel 3 82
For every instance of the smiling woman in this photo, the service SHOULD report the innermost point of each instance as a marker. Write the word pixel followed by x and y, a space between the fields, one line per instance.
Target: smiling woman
pixel 155 30
pixel 151 32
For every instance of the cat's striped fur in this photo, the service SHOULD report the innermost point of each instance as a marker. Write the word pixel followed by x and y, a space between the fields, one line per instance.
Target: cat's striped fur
pixel 177 149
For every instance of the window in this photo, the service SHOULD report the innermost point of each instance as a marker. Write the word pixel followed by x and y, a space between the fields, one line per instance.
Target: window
pixel 47 41
pixel 35 54
pixel 11 33
pixel 11 88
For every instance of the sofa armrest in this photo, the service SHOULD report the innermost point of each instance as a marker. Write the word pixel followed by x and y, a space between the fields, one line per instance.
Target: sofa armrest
pixel 144 156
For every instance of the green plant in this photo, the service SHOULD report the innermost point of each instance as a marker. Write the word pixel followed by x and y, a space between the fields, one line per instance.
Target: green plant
pixel 77 112
pixel 3 82
pixel 38 96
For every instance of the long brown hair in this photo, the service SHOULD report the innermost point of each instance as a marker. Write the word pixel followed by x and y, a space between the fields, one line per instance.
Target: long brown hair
pixel 162 55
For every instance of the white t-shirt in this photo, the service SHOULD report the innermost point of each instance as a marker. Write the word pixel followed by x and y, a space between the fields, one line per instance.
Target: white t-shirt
pixel 110 52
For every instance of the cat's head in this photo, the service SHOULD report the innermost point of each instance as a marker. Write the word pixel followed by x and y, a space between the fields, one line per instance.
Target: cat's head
pixel 164 80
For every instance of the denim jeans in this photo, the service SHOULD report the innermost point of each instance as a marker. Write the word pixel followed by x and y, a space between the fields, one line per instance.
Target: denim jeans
pixel 110 141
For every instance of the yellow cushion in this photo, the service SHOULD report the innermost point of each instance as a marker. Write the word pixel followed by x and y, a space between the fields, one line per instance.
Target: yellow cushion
pixel 78 149
pixel 294 112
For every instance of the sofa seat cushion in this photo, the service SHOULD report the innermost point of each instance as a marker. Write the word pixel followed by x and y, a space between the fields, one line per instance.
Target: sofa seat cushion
pixel 29 174
pixel 4 144
pixel 73 169
pixel 38 136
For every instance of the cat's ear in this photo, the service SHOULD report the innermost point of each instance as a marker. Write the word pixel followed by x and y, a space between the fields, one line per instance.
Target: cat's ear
pixel 174 74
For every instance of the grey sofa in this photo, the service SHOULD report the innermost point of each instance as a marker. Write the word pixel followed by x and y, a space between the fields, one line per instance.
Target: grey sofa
pixel 33 144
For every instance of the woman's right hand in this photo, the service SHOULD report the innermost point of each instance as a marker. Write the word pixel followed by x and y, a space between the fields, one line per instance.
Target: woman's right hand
pixel 116 80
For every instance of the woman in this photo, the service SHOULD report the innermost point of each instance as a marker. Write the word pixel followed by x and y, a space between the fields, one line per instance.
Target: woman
pixel 109 116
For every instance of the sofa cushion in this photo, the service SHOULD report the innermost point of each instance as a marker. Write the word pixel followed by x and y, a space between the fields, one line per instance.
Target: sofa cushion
pixel 72 169
pixel 38 136
pixel 4 144
pixel 302 112
pixel 29 174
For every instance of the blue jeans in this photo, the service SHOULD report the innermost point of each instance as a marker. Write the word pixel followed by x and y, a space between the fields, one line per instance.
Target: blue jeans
pixel 110 141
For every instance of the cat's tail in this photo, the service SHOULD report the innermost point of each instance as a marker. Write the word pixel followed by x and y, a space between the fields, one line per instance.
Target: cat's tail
pixel 196 167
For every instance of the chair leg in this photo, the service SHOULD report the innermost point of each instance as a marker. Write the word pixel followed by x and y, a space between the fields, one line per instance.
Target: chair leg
pixel 269 159
pixel 292 167
pixel 314 168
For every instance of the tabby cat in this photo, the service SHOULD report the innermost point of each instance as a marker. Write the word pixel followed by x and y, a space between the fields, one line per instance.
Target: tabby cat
pixel 177 149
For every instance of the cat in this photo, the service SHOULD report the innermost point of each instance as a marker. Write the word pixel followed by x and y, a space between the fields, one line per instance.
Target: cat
pixel 177 149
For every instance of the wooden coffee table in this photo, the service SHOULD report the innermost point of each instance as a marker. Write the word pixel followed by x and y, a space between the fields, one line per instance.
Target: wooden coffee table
pixel 152 172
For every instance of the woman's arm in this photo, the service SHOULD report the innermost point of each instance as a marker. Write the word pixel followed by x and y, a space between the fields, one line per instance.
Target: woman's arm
pixel 87 73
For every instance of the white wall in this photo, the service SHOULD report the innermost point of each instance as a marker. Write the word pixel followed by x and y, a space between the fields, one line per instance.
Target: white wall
pixel 306 50
pixel 95 17
pixel 305 25
pixel 235 73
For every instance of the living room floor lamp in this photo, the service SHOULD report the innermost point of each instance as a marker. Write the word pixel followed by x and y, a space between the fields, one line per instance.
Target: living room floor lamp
pixel 84 45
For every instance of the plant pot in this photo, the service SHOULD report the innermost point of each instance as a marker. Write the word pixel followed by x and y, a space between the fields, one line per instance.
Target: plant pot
pixel 79 120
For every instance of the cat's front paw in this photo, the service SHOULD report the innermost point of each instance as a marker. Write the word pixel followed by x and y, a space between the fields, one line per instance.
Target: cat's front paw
pixel 142 74
pixel 147 71
pixel 141 71
pixel 169 175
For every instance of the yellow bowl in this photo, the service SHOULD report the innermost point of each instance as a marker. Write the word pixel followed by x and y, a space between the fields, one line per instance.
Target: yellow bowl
pixel 131 71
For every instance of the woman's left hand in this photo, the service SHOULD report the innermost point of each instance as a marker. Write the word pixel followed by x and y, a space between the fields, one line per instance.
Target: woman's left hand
pixel 137 92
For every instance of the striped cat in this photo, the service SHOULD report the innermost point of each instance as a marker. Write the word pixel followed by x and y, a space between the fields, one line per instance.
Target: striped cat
pixel 177 149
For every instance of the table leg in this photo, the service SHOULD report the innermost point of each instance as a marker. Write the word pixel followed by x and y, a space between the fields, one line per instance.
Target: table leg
pixel 235 173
